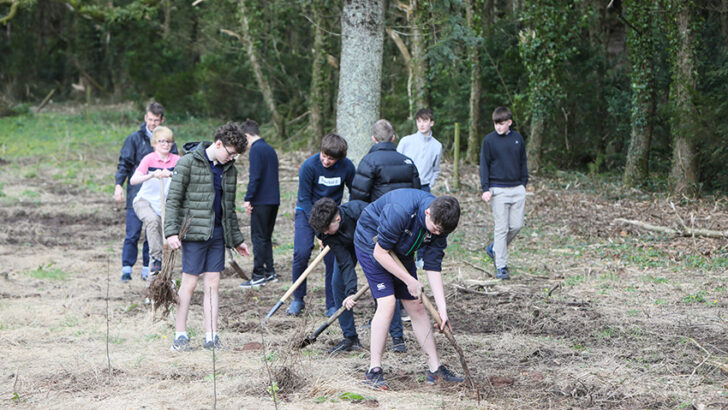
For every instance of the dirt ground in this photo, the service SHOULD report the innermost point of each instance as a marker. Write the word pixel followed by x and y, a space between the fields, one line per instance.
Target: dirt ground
pixel 599 314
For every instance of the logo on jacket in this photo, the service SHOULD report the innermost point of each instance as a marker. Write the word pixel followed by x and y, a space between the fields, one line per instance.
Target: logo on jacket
pixel 408 161
pixel 329 181
pixel 381 286
pixel 516 142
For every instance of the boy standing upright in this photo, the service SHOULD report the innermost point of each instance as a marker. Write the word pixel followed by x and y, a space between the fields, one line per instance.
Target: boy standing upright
pixel 262 199
pixel 322 175
pixel 503 179
pixel 203 187
pixel 404 221
pixel 423 148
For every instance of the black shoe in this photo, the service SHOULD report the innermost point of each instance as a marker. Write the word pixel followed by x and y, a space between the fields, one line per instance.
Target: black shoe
pixel 271 278
pixel 398 345
pixel 253 283
pixel 375 379
pixel 347 345
pixel 502 273
pixel 442 375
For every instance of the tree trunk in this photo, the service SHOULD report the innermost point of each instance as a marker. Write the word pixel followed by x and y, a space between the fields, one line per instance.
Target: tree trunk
pixel 360 75
pixel 318 83
pixel 402 47
pixel 641 52
pixel 533 145
pixel 684 174
pixel 262 81
pixel 416 19
pixel 475 87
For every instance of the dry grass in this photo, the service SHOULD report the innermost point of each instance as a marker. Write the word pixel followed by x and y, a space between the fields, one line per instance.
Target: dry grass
pixel 637 320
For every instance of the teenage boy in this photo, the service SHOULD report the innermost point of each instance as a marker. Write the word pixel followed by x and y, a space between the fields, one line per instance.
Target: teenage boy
pixel 136 146
pixel 334 226
pixel 382 170
pixel 404 221
pixel 503 179
pixel 153 168
pixel 322 175
pixel 203 187
pixel 423 148
pixel 262 199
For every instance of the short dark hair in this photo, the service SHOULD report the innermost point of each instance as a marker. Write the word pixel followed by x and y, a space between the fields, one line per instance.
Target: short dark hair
pixel 250 127
pixel 322 214
pixel 232 135
pixel 156 109
pixel 501 114
pixel 382 131
pixel 334 146
pixel 445 213
pixel 425 114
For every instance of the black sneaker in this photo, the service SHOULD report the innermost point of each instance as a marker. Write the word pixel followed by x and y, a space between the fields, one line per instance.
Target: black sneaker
pixel 253 283
pixel 209 344
pixel 375 379
pixel 347 345
pixel 502 273
pixel 156 266
pixel 442 375
pixel 181 344
pixel 272 278
pixel 398 345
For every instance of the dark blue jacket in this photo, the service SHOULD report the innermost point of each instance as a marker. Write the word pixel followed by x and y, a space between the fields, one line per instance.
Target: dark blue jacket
pixel 316 181
pixel 263 186
pixel 136 146
pixel 503 161
pixel 342 243
pixel 398 221
pixel 382 170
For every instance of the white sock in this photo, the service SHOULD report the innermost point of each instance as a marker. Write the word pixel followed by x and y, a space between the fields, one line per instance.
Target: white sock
pixel 178 334
pixel 208 337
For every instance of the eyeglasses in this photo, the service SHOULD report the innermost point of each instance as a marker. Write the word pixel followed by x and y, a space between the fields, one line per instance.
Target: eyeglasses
pixel 165 142
pixel 230 154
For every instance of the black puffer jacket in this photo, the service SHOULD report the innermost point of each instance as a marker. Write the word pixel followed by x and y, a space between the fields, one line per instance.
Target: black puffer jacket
pixel 382 170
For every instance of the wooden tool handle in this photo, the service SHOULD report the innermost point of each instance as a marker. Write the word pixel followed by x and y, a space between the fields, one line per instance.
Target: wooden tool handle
pixel 305 273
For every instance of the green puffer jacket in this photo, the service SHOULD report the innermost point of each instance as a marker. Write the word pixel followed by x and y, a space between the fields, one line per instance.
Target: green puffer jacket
pixel 192 189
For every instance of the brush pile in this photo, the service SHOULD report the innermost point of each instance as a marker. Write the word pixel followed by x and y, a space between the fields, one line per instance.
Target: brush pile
pixel 161 291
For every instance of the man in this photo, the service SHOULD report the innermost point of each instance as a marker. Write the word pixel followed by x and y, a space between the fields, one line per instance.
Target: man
pixel 136 146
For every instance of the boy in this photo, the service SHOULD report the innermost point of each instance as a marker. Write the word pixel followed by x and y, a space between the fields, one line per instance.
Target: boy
pixel 334 226
pixel 423 148
pixel 135 147
pixel 262 199
pixel 404 221
pixel 322 175
pixel 154 167
pixel 382 170
pixel 503 179
pixel 203 187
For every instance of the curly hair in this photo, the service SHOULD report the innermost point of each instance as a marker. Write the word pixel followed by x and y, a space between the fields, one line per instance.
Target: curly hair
pixel 232 135
pixel 445 213
pixel 322 214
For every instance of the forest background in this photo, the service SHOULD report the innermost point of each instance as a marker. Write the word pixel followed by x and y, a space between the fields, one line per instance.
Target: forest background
pixel 632 89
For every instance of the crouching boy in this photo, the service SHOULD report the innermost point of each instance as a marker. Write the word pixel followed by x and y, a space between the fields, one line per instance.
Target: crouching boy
pixel 404 221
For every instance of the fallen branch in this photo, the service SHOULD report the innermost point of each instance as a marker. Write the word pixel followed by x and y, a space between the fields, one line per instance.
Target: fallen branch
pixel 670 231
pixel 478 268
pixel 475 292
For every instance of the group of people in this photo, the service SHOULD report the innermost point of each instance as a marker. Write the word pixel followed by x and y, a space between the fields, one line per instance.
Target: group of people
pixel 391 226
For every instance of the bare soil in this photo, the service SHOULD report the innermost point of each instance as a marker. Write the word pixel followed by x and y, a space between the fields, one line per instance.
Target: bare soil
pixel 597 315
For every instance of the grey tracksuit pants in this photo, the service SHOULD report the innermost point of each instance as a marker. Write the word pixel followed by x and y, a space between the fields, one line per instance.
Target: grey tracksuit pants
pixel 508 205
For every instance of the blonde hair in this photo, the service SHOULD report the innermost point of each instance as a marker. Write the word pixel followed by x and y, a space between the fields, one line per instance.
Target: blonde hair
pixel 160 133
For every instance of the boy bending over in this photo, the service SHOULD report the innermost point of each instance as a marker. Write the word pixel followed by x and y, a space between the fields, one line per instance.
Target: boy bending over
pixel 404 221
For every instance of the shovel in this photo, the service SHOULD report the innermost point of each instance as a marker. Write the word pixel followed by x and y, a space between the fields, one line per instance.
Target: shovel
pixel 296 284
pixel 310 339
pixel 235 265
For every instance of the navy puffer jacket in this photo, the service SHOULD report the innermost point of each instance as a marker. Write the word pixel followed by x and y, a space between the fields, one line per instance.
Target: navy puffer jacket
pixel 382 170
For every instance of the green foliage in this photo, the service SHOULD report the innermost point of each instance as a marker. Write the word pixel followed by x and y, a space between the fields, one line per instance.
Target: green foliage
pixel 47 271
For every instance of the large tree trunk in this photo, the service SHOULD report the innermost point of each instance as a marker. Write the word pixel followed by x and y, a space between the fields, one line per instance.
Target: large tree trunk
pixel 417 18
pixel 641 51
pixel 684 174
pixel 318 81
pixel 471 155
pixel 360 75
pixel 262 81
